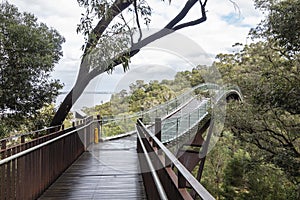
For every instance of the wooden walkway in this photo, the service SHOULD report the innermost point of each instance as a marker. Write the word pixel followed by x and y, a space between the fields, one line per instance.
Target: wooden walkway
pixel 109 170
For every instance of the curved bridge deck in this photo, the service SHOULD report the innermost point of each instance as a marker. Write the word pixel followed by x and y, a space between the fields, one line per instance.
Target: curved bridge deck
pixel 109 170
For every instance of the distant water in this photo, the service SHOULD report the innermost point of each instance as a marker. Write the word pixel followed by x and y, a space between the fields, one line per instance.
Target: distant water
pixel 86 100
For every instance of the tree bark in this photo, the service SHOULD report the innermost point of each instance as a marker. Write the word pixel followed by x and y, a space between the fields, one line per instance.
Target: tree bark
pixel 85 77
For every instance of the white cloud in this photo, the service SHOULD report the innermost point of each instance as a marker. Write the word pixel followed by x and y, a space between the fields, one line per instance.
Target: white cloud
pixel 215 36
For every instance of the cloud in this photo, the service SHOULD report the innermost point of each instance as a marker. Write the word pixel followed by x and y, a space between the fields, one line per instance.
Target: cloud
pixel 226 25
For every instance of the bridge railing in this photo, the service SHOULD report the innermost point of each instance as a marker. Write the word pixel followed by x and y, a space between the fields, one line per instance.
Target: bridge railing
pixel 175 127
pixel 25 172
pixel 23 137
pixel 120 124
pixel 20 142
pixel 160 179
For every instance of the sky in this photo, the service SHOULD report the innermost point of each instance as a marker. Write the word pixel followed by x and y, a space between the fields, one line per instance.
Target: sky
pixel 226 25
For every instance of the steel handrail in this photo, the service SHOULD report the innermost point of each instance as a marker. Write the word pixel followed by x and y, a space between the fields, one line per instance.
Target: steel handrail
pixel 197 187
pixel 167 103
pixel 29 133
pixel 157 182
pixel 22 153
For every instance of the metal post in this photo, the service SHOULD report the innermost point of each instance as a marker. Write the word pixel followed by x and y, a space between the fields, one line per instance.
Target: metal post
pixel 167 161
pixel 167 108
pixel 157 130
pixel 3 144
pixel 23 139
pixel 99 127
pixel 177 129
pixel 84 139
pixel 181 181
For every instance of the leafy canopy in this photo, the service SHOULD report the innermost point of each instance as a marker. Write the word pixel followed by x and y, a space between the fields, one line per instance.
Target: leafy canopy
pixel 268 74
pixel 28 52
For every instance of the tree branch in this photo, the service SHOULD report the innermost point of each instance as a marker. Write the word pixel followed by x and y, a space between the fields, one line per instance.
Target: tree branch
pixel 137 19
pixel 195 22
pixel 85 75
pixel 116 8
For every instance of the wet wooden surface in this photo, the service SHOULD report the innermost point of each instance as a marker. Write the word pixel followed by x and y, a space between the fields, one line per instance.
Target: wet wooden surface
pixel 109 170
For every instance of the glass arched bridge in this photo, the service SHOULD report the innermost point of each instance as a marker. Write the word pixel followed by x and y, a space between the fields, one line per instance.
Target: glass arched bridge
pixel 153 157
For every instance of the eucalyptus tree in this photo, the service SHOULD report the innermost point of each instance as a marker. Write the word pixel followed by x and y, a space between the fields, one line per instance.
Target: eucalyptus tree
pixel 28 53
pixel 268 73
pixel 110 40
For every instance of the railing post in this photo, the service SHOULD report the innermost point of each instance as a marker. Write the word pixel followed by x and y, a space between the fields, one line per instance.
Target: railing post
pixel 157 132
pixel 177 130
pixel 177 127
pixel 23 139
pixel 3 144
pixel 181 181
pixel 158 128
pixel 167 161
pixel 167 108
pixel 99 127
pixel 73 124
pixel 84 139
pixel 141 120
pixel 62 127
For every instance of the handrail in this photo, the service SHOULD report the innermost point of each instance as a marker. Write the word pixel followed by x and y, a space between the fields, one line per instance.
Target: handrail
pixel 29 133
pixel 22 153
pixel 178 120
pixel 157 182
pixel 165 104
pixel 197 187
pixel 188 129
pixel 164 110
pixel 136 115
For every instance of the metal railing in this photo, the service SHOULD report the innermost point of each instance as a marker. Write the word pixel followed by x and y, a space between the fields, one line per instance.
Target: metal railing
pixel 174 185
pixel 126 123
pixel 28 169
pixel 22 137
pixel 177 126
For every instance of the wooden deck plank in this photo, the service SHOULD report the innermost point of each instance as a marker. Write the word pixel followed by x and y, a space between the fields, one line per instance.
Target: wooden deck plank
pixel 109 170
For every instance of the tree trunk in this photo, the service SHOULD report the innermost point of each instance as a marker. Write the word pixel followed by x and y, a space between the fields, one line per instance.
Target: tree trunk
pixel 84 76
pixel 71 98
pixel 63 110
